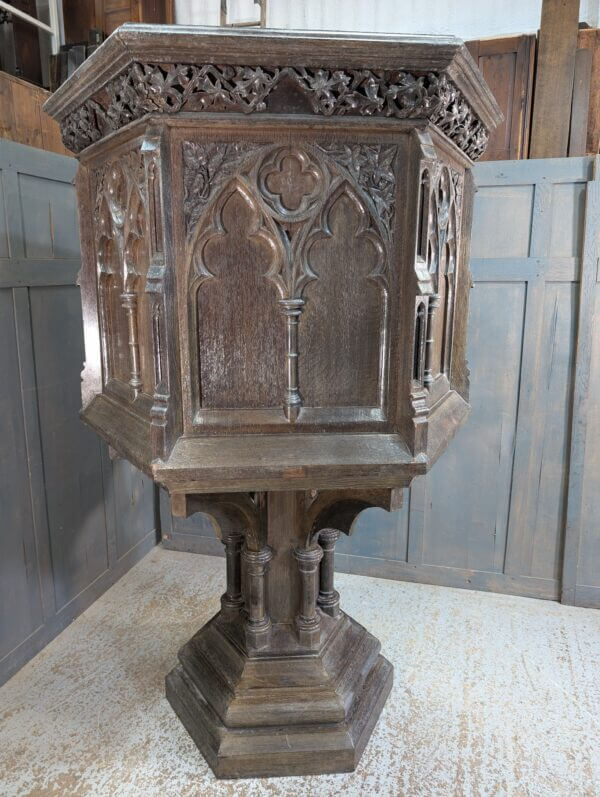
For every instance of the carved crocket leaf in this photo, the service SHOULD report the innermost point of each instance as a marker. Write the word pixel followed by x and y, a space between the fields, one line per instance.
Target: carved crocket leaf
pixel 206 167
pixel 372 167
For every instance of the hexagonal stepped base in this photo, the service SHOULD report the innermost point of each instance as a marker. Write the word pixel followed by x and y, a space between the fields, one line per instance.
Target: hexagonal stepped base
pixel 254 715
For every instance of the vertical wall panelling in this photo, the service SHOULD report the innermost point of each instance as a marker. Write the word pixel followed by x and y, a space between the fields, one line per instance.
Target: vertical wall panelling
pixel 581 565
pixel 71 522
pixel 492 512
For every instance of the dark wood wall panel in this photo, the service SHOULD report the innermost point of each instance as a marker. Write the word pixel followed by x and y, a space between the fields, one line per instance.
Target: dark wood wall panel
pixel 507 65
pixel 71 521
pixel 513 504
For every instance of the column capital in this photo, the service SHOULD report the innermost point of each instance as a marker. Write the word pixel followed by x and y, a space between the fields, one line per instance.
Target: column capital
pixel 257 562
pixel 328 538
pixel 308 558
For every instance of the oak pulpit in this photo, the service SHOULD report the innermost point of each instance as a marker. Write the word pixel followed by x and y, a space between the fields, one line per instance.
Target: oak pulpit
pixel 275 232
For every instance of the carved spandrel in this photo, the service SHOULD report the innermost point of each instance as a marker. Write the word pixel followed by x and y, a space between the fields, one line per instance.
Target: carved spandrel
pixel 207 166
pixel 371 166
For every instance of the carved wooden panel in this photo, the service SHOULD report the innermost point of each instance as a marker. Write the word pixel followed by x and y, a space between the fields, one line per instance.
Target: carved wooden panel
pixel 235 319
pixel 343 326
pixel 288 247
pixel 122 265
pixel 436 263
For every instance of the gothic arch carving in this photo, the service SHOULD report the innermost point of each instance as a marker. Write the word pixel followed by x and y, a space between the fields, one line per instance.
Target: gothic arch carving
pixel 234 258
pixel 347 256
pixel 122 254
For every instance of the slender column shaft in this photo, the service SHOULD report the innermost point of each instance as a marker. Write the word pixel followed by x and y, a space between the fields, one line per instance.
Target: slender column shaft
pixel 292 310
pixel 129 301
pixel 307 621
pixel 232 600
pixel 258 623
pixel 433 303
pixel 329 598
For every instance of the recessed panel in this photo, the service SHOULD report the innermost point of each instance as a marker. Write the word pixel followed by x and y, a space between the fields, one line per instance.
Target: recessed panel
pixel 239 326
pixel 502 221
pixel 340 328
pixel 287 302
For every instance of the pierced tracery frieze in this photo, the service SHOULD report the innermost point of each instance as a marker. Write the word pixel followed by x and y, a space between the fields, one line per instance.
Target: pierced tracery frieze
pixel 167 88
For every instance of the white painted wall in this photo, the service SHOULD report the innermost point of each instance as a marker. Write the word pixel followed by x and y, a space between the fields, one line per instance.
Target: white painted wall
pixel 469 19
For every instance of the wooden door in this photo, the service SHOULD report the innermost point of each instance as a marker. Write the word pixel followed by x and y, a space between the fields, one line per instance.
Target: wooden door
pixel 507 65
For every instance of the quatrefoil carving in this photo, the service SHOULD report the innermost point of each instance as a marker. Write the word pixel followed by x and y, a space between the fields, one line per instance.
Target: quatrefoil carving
pixel 291 182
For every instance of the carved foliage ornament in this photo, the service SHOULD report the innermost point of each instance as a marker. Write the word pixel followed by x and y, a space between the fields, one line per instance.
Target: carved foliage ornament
pixel 208 165
pixel 164 88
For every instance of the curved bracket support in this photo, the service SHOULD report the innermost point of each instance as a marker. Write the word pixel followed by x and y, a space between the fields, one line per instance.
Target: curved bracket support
pixel 229 513
pixel 339 509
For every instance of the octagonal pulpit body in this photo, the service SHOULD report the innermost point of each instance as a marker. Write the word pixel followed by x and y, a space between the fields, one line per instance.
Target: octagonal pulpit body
pixel 275 232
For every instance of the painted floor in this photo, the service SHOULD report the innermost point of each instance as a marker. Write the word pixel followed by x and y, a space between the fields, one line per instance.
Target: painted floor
pixel 493 695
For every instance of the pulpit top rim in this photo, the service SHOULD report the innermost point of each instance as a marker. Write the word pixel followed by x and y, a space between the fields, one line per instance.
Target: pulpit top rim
pixel 273 48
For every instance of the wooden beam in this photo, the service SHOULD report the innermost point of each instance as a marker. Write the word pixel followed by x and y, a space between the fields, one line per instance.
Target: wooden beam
pixel 590 39
pixel 554 79
pixel 581 102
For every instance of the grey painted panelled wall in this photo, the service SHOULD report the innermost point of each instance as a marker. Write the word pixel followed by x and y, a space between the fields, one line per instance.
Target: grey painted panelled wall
pixel 71 521
pixel 514 504
pixel 522 518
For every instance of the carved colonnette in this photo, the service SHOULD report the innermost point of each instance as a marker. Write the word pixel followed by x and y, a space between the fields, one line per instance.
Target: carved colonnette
pixel 275 284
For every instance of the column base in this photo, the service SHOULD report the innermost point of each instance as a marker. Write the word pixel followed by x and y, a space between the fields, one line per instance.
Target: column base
pixel 299 712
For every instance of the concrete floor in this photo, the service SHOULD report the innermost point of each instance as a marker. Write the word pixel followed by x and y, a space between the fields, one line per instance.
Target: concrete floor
pixel 493 695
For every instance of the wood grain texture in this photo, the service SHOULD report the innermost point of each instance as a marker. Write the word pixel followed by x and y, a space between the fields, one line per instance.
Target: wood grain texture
pixel 554 79
pixel 507 64
pixel 22 118
pixel 590 39
pixel 580 564
pixel 582 79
